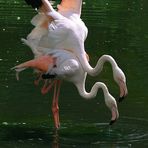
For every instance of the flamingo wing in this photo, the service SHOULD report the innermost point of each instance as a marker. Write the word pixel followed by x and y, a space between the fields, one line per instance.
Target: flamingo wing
pixel 65 7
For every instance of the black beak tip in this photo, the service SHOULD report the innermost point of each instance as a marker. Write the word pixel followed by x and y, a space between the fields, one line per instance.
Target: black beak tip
pixel 112 122
pixel 121 99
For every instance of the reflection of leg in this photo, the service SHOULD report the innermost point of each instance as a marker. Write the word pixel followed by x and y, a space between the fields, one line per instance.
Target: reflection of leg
pixel 55 142
pixel 55 107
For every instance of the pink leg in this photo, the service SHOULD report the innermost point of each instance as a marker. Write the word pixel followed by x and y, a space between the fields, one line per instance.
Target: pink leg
pixel 55 107
pixel 46 88
pixel 38 79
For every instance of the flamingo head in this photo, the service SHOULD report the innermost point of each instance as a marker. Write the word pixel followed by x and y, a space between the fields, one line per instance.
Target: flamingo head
pixel 112 105
pixel 40 64
pixel 120 79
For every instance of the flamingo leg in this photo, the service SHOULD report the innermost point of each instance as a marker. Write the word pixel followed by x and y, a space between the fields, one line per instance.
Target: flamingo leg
pixel 38 79
pixel 43 90
pixel 55 107
pixel 47 87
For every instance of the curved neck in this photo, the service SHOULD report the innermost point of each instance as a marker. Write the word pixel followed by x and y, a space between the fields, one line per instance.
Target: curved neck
pixel 88 95
pixel 99 66
pixel 108 58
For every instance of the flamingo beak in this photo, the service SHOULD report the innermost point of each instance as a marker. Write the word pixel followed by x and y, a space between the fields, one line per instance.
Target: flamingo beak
pixel 123 90
pixel 115 115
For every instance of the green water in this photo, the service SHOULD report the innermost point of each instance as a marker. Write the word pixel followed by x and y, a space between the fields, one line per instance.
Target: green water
pixel 116 27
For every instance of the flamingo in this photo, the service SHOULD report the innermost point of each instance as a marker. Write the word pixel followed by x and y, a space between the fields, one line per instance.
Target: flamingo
pixel 67 31
pixel 59 54
pixel 70 70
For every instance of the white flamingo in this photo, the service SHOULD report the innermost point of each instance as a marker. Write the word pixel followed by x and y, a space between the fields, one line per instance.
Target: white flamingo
pixel 69 68
pixel 69 61
pixel 67 31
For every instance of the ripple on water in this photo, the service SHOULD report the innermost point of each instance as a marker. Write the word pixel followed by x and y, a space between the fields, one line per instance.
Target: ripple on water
pixel 124 133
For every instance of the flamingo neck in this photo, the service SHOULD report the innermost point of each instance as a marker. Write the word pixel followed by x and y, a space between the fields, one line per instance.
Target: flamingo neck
pixel 107 58
pixel 99 66
pixel 94 90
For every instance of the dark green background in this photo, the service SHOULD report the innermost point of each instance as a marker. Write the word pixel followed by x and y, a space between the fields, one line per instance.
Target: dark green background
pixel 116 27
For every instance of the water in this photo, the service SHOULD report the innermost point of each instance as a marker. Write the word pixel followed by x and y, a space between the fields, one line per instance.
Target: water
pixel 116 27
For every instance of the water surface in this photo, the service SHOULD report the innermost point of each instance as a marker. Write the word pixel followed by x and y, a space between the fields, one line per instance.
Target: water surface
pixel 116 27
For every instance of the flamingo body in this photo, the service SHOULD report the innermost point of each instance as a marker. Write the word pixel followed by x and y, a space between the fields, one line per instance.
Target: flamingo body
pixel 69 68
pixel 57 42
